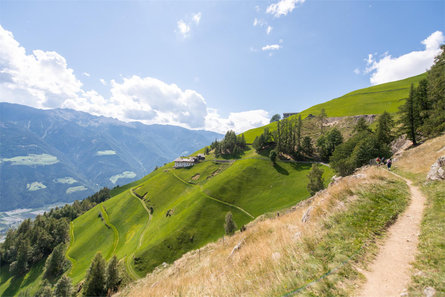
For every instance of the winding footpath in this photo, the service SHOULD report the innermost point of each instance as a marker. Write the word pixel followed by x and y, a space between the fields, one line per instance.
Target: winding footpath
pixel 389 274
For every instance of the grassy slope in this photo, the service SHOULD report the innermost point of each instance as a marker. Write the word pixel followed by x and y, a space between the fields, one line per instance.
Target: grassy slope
pixel 281 254
pixel 373 100
pixel 429 267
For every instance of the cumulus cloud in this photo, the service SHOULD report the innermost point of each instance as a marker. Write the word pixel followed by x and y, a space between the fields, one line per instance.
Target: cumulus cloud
pixel 283 7
pixel 183 28
pixel 271 47
pixel 103 81
pixel 388 68
pixel 44 80
pixel 236 121
pixel 268 30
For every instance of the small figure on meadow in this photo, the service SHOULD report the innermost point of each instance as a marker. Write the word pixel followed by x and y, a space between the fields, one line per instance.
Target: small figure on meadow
pixel 389 163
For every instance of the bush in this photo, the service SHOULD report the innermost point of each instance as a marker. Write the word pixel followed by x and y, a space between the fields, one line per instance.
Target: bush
pixel 229 225
pixel 316 182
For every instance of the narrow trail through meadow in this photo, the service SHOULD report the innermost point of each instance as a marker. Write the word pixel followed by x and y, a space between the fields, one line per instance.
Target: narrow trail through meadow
pixel 389 274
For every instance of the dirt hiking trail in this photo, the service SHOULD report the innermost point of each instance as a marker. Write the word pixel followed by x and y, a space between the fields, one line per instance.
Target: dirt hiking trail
pixel 389 274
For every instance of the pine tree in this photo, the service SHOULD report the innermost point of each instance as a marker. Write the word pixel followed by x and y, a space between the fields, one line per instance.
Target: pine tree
pixel 63 287
pixel 384 127
pixel 410 117
pixel 322 118
pixel 273 156
pixel 44 290
pixel 112 275
pixel 307 146
pixel 20 266
pixel 298 133
pixel 56 263
pixel 95 279
pixel 229 225
pixel 361 126
pixel 316 182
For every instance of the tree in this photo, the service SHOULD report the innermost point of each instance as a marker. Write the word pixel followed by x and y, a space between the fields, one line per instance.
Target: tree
pixel 44 290
pixel 112 275
pixel 95 279
pixel 275 118
pixel 361 126
pixel 56 263
pixel 322 118
pixel 307 146
pixel 20 266
pixel 410 116
pixel 384 127
pixel 206 150
pixel 316 182
pixel 273 156
pixel 63 287
pixel 434 124
pixel 229 225
pixel 298 133
pixel 326 143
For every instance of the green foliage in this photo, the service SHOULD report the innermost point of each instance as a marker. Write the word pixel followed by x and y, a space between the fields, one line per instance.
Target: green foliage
pixel 20 266
pixel 361 126
pixel 230 145
pixel 275 118
pixel 95 280
pixel 316 182
pixel 306 146
pixel 385 125
pixel 322 118
pixel 273 156
pixel 63 287
pixel 285 137
pixel 56 263
pixel 44 290
pixel 410 116
pixel 326 144
pixel 262 141
pixel 229 224
pixel 113 279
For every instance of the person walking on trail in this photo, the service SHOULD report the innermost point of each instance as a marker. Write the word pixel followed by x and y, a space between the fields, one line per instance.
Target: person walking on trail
pixel 389 163
pixel 377 161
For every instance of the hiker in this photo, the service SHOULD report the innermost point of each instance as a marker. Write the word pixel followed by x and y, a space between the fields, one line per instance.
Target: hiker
pixel 383 160
pixel 377 161
pixel 389 163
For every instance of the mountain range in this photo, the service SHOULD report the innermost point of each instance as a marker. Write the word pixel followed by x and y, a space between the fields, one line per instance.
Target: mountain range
pixel 60 155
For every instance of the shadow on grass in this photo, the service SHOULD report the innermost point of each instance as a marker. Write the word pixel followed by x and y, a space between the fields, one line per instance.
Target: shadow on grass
pixel 301 166
pixel 14 286
pixel 280 169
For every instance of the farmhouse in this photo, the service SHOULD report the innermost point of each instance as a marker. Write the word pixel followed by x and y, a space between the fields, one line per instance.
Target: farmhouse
pixel 184 162
pixel 288 114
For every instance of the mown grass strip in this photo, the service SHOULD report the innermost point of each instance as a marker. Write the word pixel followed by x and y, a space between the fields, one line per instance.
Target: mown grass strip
pixel 71 243
pixel 115 232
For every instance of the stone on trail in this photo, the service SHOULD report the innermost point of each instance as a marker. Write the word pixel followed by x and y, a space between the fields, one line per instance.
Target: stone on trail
pixel 437 171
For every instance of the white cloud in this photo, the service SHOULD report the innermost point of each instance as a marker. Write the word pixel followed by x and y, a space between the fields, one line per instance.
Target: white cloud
pixel 271 47
pixel 283 7
pixel 237 121
pixel 32 159
pixel 86 74
pixel 357 71
pixel 44 80
pixel 185 26
pixel 268 30
pixel 390 68
pixel 103 81
pixel 35 186
pixel 197 18
pixel 259 22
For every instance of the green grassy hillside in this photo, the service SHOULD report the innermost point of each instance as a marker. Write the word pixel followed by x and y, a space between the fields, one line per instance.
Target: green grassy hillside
pixel 373 100
pixel 197 198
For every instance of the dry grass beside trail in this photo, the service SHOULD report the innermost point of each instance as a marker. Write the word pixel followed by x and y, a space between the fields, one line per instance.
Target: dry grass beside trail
pixel 418 160
pixel 271 254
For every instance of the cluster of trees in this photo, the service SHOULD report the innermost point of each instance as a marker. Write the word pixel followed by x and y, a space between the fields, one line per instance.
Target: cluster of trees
pixel 364 145
pixel 327 143
pixel 263 141
pixel 63 288
pixel 423 113
pixel 230 145
pixel 102 279
pixel 35 240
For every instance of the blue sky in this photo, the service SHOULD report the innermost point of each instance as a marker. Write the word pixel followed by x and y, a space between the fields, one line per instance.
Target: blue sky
pixel 214 65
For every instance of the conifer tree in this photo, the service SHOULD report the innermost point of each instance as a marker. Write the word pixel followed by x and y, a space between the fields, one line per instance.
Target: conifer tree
pixel 410 117
pixel 56 263
pixel 273 156
pixel 316 182
pixel 298 133
pixel 63 287
pixel 229 225
pixel 384 127
pixel 44 290
pixel 112 275
pixel 95 280
pixel 322 118
pixel 307 146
